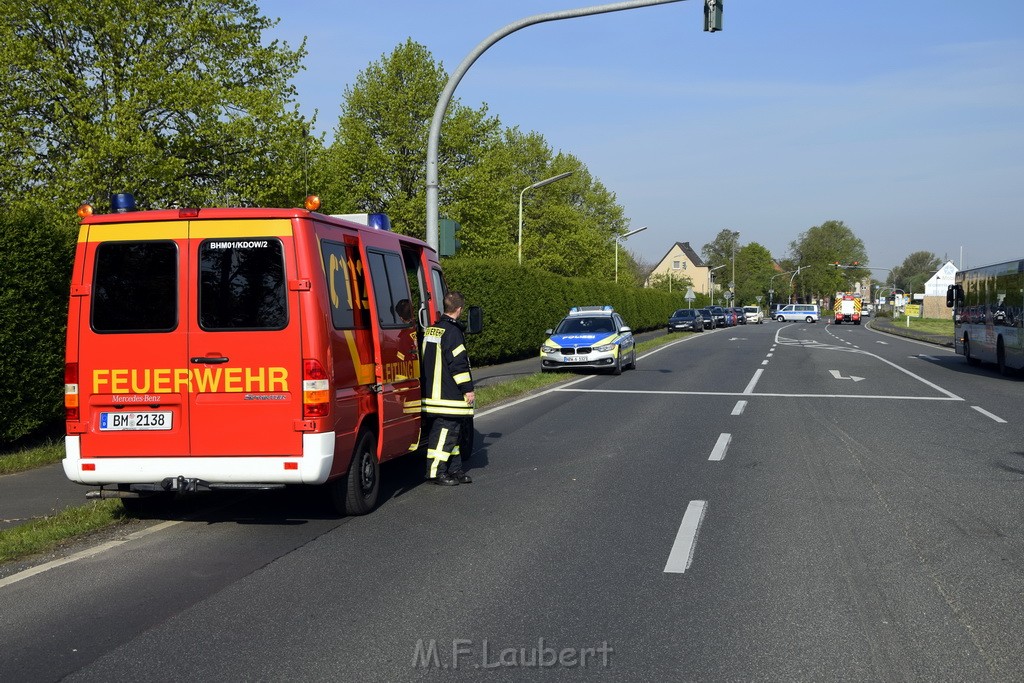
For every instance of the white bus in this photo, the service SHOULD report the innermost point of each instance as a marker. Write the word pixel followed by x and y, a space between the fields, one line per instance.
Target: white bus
pixel 988 314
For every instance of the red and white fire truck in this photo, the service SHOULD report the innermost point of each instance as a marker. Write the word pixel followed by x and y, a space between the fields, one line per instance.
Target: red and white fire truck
pixel 244 348
pixel 847 308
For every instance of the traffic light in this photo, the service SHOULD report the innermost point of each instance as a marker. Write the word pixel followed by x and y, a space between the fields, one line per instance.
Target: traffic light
pixel 712 15
pixel 447 244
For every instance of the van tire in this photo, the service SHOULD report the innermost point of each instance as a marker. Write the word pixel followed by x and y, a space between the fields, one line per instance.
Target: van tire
pixel 356 493
pixel 809 319
pixel 781 318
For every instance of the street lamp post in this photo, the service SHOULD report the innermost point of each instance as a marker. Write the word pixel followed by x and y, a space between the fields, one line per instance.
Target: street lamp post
pixel 771 288
pixel 619 239
pixel 711 279
pixel 434 135
pixel 539 183
pixel 793 277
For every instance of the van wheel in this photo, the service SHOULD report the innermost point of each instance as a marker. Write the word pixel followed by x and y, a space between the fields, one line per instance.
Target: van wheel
pixel 967 352
pixel 781 319
pixel 356 493
pixel 809 319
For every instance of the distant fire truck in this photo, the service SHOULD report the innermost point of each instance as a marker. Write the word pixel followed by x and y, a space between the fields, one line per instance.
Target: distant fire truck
pixel 847 308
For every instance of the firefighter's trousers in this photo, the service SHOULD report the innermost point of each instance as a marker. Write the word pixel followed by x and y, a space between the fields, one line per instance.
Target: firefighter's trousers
pixel 443 446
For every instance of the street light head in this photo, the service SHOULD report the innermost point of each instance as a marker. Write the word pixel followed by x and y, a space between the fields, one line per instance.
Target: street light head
pixel 548 181
pixel 633 232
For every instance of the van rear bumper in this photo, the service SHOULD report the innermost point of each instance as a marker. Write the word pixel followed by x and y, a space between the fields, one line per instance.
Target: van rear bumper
pixel 312 467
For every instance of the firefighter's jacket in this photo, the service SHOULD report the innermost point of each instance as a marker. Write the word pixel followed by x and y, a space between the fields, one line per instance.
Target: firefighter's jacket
pixel 446 372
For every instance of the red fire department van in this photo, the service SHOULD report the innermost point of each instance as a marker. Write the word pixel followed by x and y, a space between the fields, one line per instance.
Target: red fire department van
pixel 243 348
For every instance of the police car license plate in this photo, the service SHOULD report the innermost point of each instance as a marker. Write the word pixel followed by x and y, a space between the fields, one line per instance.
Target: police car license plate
pixel 130 422
pixel 575 359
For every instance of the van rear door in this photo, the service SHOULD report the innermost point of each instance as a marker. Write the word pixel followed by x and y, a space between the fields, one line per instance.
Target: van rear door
pixel 129 338
pixel 244 351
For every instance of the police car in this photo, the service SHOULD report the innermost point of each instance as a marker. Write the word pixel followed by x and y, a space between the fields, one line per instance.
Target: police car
pixel 589 337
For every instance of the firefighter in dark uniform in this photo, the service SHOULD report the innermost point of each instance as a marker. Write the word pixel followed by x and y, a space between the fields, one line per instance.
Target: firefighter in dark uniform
pixel 448 394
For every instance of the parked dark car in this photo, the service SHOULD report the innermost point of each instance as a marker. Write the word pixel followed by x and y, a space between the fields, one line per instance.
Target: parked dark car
pixel 721 319
pixel 709 318
pixel 686 320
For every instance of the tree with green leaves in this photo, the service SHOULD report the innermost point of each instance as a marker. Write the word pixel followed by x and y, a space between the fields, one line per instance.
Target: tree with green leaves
pixel 754 269
pixel 816 250
pixel 720 251
pixel 915 271
pixel 377 162
pixel 177 101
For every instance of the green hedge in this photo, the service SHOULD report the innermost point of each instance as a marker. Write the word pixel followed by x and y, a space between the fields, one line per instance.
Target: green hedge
pixel 35 270
pixel 520 303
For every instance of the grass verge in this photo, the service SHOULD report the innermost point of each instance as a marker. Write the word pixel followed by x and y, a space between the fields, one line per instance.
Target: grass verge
pixel 31 458
pixel 45 534
pixel 929 325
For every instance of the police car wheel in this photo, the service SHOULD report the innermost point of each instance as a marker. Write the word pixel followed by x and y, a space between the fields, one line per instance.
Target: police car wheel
pixel 356 493
pixel 617 370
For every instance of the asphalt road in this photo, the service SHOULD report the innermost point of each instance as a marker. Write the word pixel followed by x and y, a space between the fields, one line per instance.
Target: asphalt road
pixel 774 502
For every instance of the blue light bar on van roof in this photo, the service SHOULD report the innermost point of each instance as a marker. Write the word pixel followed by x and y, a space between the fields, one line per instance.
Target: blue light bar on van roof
pixel 122 202
pixel 378 221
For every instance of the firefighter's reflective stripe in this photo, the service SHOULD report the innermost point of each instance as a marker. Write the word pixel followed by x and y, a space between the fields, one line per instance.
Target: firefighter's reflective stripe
pixel 442 406
pixel 437 454
pixel 462 378
pixel 458 349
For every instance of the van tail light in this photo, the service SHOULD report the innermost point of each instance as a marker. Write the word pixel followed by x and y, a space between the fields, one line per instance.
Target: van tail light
pixel 316 390
pixel 71 412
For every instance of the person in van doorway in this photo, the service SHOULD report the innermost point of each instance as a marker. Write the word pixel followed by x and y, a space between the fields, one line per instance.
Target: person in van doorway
pixel 448 395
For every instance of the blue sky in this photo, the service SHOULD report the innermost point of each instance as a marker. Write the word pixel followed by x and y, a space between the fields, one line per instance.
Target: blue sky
pixel 903 119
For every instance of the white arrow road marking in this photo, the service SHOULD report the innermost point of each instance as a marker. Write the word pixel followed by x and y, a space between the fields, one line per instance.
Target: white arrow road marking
pixel 737 339
pixel 838 375
pixel 925 357
pixel 881 342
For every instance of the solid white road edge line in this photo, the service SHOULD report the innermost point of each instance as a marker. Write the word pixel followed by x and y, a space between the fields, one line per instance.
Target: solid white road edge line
pixel 88 552
pixel 681 556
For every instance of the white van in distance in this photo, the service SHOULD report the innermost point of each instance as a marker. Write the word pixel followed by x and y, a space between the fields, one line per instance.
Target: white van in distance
pixel 798 312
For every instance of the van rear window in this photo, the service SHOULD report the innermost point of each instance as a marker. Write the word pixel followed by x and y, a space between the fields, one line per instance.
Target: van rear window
pixel 135 287
pixel 242 284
